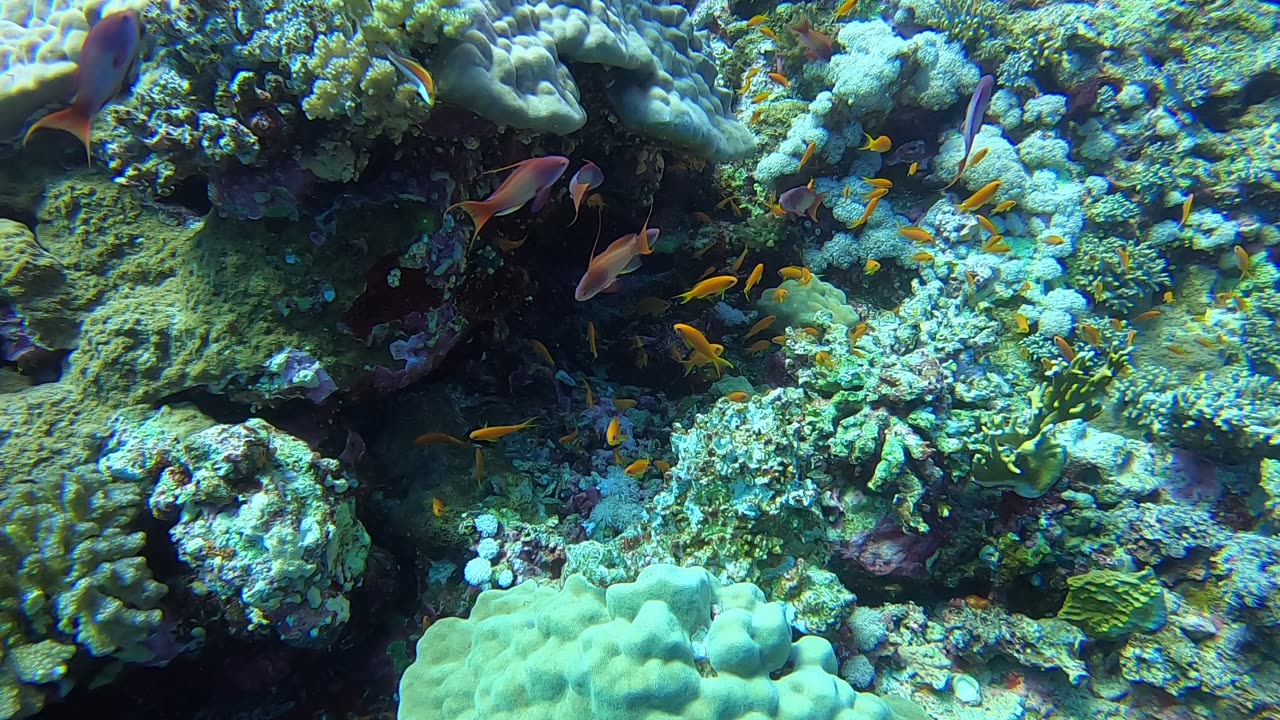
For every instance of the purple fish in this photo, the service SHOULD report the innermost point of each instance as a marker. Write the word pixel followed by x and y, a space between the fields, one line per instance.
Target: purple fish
pixel 588 177
pixel 802 200
pixel 973 117
pixel 105 59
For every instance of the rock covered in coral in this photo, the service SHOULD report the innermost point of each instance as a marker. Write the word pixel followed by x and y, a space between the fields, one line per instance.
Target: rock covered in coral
pixel 1109 603
pixel 260 519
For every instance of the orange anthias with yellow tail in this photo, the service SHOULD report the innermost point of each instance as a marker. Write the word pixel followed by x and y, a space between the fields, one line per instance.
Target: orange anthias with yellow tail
pixel 106 57
pixel 695 340
pixel 621 257
pixel 531 180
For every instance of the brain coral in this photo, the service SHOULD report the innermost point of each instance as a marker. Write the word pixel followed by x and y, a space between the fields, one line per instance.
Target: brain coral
pixel 508 65
pixel 628 653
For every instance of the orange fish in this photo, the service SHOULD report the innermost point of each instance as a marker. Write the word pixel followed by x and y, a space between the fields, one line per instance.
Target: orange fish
pixel 971 279
pixel 801 275
pixel 613 435
pixel 738 396
pixel 824 359
pixel 711 286
pixel 817 46
pixel 996 244
pixel 757 21
pixel 569 439
pixel 1024 325
pixel 621 257
pixel 769 33
pixel 808 155
pixel 761 97
pixel 780 294
pixel 847 192
pixel 987 225
pixel 637 468
pixel 651 305
pixel 588 178
pixel 880 144
pixel 1117 324
pixel 1003 207
pixel 780 79
pixel 981 197
pixel 530 180
pixel 866 213
pixel 591 397
pixel 917 235
pixel 1186 210
pixel 1148 315
pixel 737 264
pixel 1176 349
pixel 591 340
pixel 812 332
pixel 1064 347
pixel 977 157
pixel 624 404
pixel 759 347
pixel 1167 297
pixel 435 438
pixel 761 325
pixel 1125 261
pixel 1243 261
pixel 1092 335
pixel 871 266
pixel 923 257
pixel 438 507
pixel 418 75
pixel 662 465
pixel 883 183
pixel 779 339
pixel 497 432
pixel 858 332
pixel 846 8
pixel 876 194
pixel 913 169
pixel 752 279
pixel 1054 240
pixel 746 80
pixel 694 339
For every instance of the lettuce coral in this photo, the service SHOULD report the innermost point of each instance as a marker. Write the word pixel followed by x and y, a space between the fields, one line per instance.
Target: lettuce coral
pixel 1109 604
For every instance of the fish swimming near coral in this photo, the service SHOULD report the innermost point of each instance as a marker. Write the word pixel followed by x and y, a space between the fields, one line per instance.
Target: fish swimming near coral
pixel 761 325
pixel 613 434
pixel 693 338
pixel 973 116
pixel 756 273
pixel 711 286
pixel 497 432
pixel 621 257
pixel 981 196
pixel 531 180
pixel 801 201
pixel 418 75
pixel 817 46
pixel 106 57
pixel 588 178
pixel 881 144
pixel 542 352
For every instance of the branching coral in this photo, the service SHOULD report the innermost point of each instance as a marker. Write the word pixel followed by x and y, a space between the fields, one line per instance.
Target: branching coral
pixel 1025 457
pixel 1098 269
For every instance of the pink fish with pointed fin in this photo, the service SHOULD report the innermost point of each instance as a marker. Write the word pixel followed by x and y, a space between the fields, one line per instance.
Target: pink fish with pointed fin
pixel 106 57
pixel 588 178
pixel 621 257
pixel 801 201
pixel 531 180
pixel 817 46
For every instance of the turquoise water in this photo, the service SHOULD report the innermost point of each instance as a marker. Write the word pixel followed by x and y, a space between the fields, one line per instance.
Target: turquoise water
pixel 495 359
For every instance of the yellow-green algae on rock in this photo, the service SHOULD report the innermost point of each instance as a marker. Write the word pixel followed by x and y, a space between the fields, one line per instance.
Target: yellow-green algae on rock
pixel 1109 604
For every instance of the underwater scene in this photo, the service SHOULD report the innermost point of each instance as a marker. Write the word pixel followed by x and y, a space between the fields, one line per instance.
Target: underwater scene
pixel 639 360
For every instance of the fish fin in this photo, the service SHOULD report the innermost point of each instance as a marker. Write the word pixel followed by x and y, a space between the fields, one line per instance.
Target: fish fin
pixel 576 191
pixel 643 235
pixel 540 200
pixel 646 241
pixel 506 167
pixel 632 265
pixel 72 120
pixel 479 210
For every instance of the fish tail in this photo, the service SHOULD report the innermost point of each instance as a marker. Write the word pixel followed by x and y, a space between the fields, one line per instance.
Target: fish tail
pixel 720 362
pixel 480 211
pixel 73 120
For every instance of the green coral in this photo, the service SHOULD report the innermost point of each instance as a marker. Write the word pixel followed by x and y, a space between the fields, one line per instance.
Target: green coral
pixel 1110 604
pixel 71 578
pixel 1259 341
pixel 1024 457
pixel 1097 269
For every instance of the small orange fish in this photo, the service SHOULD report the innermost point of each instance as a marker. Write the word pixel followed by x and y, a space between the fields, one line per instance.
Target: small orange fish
pixel 779 339
pixel 1148 315
pixel 780 294
pixel 591 397
pixel 776 210
pixel 497 432
pixel 1117 324
pixel 506 245
pixel 436 438
pixel 761 97
pixel 707 272
pixel 846 8
pixel 756 273
pixel 913 169
pixel 977 157
pixel 919 236
pixel 1126 262
pixel 761 325
pixel 1206 342
pixel 569 439
pixel 769 33
pixel 882 183
pixel 662 465
pixel 987 225
pixel 1167 297
pixel 755 116
pixel 847 192
pixel 1064 347
pixel 479 468
pixel 591 340
pixel 923 257
pixel 824 359
pixel 1243 261
pixel 542 352
pixel 738 396
pixel 1003 207
pixel 876 194
pixel 881 144
pixel 759 347
pixel 808 155
pixel 812 332
pixel 617 457
pixel 1024 325
pixel 1186 210
pixel 694 339
pixel 711 286
pixel 996 244
pixel 1241 304
pixel 857 353
pixel 1176 349
pixel 971 279
pixel 737 264
pixel 1091 335
pixel 613 435
pixel 801 275
pixel 651 305
pixel 981 197
pixel 1053 240
pixel 858 332
pixel 871 267
pixel 866 213
pixel 1130 337
pixel 637 468
pixel 746 79
pixel 779 77
pixel 623 404
pixel 438 507
pixel 757 21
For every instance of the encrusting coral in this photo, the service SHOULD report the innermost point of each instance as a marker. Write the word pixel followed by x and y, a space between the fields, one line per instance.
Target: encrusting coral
pixel 1109 604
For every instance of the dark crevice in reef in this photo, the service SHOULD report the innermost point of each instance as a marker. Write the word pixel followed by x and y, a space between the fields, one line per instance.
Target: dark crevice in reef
pixel 191 193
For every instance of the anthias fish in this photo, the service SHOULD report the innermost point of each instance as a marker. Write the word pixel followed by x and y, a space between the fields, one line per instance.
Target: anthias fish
pixel 621 257
pixel 530 180
pixel 588 178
